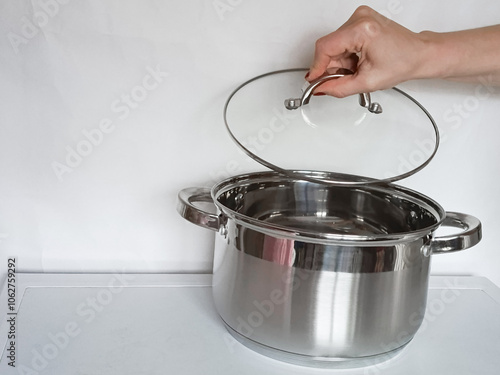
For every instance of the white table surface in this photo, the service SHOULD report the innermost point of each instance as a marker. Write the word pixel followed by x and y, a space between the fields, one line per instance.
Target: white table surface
pixel 93 324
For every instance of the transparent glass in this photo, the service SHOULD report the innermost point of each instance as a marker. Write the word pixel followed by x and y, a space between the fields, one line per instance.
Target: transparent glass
pixel 330 139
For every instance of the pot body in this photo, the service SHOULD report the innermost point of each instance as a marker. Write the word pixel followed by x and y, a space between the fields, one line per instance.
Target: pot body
pixel 319 274
pixel 319 300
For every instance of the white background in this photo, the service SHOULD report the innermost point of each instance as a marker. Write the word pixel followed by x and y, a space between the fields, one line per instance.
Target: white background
pixel 68 67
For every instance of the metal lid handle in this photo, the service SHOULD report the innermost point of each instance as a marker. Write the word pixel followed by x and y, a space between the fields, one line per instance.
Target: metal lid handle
pixel 364 98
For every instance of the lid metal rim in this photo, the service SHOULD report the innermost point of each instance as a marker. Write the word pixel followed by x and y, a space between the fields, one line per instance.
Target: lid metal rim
pixel 332 178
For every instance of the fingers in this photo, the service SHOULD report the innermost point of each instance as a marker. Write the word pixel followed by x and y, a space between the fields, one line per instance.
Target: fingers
pixel 349 62
pixel 338 49
pixel 324 54
pixel 337 46
pixel 343 86
pixel 341 49
pixel 331 51
pixel 388 54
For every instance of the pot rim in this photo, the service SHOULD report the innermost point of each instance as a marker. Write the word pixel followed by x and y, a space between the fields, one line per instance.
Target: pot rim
pixel 312 236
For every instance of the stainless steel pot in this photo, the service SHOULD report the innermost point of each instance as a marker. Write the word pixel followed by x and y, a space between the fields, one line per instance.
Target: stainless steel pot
pixel 319 274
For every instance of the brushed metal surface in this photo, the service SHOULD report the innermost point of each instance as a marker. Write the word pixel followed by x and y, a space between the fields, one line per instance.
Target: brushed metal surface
pixel 322 274
pixel 334 305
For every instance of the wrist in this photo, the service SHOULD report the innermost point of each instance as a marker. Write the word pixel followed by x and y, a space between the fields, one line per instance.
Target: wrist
pixel 437 57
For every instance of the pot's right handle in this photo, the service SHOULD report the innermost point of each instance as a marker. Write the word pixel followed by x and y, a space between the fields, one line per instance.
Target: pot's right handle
pixel 468 237
pixel 187 209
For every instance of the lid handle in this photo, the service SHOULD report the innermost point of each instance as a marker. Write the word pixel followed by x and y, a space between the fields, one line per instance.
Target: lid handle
pixel 364 98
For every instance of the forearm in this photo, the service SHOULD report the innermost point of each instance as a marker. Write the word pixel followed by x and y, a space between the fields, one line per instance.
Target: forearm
pixel 383 54
pixel 463 55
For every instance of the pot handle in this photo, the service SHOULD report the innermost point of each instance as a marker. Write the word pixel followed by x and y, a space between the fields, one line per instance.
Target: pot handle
pixel 187 208
pixel 468 237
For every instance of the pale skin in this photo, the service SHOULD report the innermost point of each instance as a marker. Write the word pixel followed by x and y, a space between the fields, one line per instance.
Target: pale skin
pixel 383 54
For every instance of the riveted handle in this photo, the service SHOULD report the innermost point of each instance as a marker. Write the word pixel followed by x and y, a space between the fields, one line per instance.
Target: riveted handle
pixel 469 235
pixel 186 207
pixel 364 98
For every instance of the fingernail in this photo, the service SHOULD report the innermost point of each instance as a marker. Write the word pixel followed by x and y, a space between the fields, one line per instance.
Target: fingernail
pixel 319 94
pixel 307 75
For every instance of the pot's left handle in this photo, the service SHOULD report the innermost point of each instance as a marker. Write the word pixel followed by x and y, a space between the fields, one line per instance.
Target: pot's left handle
pixel 186 207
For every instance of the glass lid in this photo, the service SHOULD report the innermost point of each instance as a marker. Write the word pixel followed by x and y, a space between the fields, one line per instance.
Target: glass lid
pixel 362 139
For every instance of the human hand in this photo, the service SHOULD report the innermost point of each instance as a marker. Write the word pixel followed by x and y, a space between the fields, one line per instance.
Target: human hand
pixel 381 53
